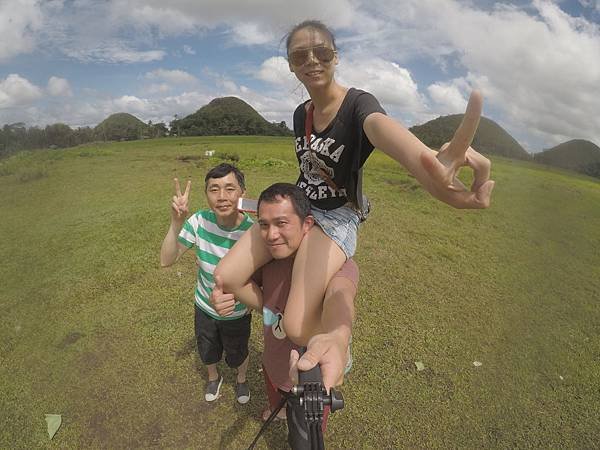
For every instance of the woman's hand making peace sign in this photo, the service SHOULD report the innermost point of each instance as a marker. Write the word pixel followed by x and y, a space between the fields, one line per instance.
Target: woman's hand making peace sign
pixel 437 172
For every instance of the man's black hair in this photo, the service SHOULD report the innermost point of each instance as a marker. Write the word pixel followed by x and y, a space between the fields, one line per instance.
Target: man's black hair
pixel 293 193
pixel 223 170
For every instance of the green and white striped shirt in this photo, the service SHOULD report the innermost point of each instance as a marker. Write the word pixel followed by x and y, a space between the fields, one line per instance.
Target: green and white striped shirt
pixel 212 243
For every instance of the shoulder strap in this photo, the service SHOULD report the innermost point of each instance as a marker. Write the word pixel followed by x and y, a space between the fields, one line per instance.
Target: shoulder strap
pixel 308 123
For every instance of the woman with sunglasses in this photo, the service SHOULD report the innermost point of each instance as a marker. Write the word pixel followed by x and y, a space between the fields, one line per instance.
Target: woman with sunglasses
pixel 336 131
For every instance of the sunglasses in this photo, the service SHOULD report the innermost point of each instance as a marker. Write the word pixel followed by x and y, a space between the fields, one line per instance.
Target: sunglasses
pixel 300 57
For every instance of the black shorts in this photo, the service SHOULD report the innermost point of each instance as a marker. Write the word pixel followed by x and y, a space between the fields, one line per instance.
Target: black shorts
pixel 213 336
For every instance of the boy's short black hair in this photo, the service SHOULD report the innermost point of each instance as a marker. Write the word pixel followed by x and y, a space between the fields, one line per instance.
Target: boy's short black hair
pixel 223 170
pixel 290 191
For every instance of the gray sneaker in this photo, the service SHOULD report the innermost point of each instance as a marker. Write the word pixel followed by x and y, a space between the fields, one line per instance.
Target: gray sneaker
pixel 212 389
pixel 242 392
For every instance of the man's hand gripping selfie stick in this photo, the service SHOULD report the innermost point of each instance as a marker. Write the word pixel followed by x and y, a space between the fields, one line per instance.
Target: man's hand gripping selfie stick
pixel 312 395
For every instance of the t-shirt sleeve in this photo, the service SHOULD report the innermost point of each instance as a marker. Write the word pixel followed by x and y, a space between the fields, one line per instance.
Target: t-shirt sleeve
pixel 187 235
pixel 349 271
pixel 299 118
pixel 366 104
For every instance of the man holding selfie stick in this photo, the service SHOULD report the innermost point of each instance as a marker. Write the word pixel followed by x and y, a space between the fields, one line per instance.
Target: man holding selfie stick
pixel 284 219
pixel 213 232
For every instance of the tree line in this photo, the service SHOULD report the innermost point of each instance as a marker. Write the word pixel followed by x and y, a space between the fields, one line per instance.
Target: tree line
pixel 17 136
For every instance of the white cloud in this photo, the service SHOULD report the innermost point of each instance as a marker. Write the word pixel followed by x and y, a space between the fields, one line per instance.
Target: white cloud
pixel 19 22
pixel 276 71
pixel 229 86
pixel 114 52
pixel 275 105
pixel 183 104
pixel 539 69
pixel 391 84
pixel 449 98
pixel 18 91
pixel 251 34
pixel 157 109
pixel 593 4
pixel 255 22
pixel 158 88
pixel 59 87
pixel 172 76
pixel 131 104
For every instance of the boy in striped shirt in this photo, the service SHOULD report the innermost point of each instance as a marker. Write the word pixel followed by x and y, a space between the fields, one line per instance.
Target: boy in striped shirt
pixel 213 232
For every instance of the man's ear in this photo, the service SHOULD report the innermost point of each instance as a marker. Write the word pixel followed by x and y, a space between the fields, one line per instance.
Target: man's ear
pixel 309 221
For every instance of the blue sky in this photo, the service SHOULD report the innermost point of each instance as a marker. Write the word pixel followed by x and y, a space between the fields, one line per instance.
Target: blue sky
pixel 536 62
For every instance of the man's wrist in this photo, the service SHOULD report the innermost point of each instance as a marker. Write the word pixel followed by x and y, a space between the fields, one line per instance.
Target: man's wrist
pixel 341 334
pixel 177 223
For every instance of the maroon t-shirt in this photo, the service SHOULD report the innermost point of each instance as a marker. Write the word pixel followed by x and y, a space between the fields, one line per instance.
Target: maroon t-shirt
pixel 275 279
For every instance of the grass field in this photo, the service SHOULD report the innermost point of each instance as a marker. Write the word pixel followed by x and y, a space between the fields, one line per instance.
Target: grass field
pixel 92 328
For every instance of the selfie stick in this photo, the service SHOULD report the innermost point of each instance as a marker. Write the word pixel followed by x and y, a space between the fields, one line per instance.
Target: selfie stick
pixel 312 395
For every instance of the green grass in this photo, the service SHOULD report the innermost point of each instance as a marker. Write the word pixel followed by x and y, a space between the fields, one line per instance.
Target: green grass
pixel 91 327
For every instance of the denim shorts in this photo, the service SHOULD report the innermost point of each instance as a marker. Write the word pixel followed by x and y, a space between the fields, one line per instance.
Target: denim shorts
pixel 341 225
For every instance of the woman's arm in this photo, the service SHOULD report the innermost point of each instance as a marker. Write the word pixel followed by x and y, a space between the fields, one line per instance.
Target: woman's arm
pixel 437 171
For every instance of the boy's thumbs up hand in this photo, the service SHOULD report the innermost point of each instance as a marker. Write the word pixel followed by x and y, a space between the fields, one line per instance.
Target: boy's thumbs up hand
pixel 222 303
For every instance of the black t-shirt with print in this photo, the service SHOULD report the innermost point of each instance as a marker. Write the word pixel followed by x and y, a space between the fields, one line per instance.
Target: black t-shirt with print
pixel 341 150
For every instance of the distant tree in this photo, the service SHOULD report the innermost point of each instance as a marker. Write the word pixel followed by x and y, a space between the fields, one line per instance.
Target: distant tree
pixel 36 138
pixel 83 135
pixel 175 126
pixel 159 130
pixel 14 138
pixel 60 135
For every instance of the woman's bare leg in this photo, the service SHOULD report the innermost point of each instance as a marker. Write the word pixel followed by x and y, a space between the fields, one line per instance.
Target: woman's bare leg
pixel 248 255
pixel 318 258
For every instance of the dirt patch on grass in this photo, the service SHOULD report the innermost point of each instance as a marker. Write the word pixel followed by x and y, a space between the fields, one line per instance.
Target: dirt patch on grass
pixel 188 158
pixel 186 349
pixel 154 432
pixel 405 185
pixel 90 361
pixel 70 339
pixel 104 349
pixel 441 382
pixel 97 429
